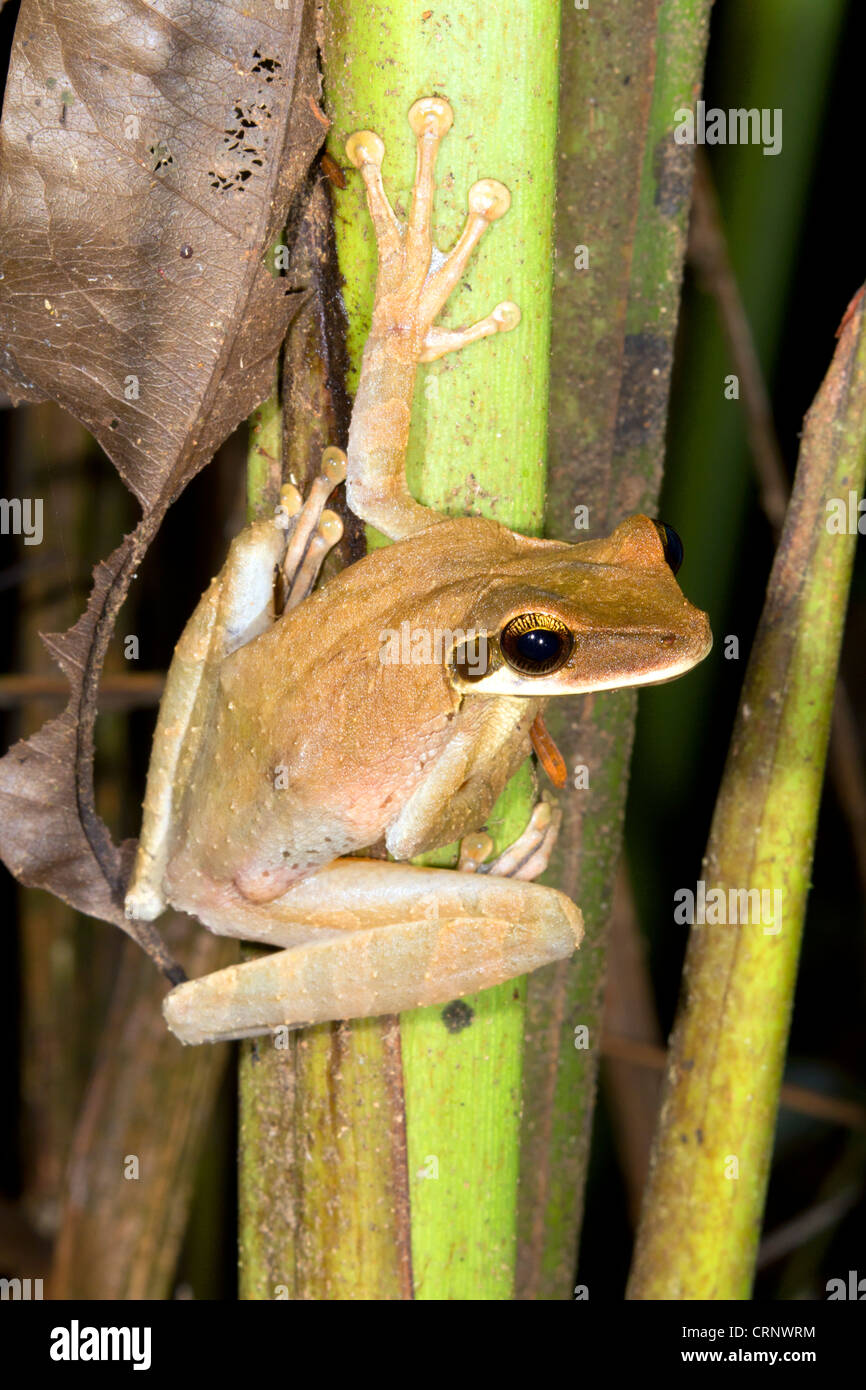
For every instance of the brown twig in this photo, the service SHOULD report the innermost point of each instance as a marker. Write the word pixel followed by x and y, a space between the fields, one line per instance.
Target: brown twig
pixel 797 1098
pixel 630 1010
pixel 140 1135
pixel 816 1220
pixel 708 255
pixel 115 692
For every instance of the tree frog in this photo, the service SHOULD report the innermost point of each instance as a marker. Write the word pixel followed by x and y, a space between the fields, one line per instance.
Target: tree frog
pixel 392 704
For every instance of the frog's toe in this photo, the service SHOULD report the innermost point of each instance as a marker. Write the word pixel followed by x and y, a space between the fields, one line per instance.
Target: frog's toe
pixel 530 853
pixel 314 531
pixel 366 150
pixel 431 116
pixel 488 201
pixel 438 341
pixel 474 849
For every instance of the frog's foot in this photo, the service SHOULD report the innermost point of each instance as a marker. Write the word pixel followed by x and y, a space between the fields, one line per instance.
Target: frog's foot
pixel 415 278
pixel 413 281
pixel 314 529
pixel 526 858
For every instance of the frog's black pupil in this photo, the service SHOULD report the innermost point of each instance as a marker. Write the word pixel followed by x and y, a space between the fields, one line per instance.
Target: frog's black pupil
pixel 538 646
pixel 535 645
pixel 672 544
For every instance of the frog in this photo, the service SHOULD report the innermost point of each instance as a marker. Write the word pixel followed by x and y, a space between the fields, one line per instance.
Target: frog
pixel 307 731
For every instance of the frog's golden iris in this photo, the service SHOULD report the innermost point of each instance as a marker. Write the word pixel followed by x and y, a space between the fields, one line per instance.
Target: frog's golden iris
pixel 536 643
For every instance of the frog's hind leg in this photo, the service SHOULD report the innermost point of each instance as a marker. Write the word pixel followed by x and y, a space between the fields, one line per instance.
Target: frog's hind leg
pixel 393 937
pixel 240 603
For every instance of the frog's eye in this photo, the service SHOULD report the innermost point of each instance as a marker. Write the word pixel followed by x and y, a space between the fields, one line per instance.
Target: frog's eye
pixel 536 643
pixel 671 545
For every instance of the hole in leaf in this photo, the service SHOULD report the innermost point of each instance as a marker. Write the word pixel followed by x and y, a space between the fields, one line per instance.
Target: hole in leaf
pixel 269 67
pixel 160 156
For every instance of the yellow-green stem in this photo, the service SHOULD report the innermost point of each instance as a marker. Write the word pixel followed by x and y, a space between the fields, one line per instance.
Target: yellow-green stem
pixel 704 1202
pixel 477 446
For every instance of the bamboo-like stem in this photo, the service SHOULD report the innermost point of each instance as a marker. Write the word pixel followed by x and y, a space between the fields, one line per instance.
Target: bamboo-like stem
pixel 477 445
pixel 708 252
pixel 713 1147
pixel 623 194
pixel 323 1212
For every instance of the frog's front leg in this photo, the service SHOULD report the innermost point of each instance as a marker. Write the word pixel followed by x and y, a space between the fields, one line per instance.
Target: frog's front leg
pixel 413 282
pixel 240 603
pixel 391 937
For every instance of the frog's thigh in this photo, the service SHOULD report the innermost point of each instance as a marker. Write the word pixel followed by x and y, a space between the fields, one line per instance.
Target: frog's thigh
pixel 418 936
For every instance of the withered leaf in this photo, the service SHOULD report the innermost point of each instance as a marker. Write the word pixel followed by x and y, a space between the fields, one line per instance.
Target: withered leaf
pixel 149 156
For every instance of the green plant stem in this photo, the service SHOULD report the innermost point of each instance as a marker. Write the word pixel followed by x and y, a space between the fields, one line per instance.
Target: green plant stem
pixel 623 193
pixel 477 445
pixel 704 1202
pixel 322 1181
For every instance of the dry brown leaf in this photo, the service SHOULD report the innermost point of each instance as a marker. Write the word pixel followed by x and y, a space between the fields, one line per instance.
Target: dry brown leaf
pixel 149 156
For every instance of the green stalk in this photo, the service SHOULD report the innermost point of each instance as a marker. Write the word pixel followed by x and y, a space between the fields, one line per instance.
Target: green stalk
pixel 477 445
pixel 704 1202
pixel 623 192
pixel 323 1206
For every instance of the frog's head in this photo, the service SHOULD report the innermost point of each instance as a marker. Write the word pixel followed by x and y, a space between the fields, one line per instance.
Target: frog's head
pixel 567 619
